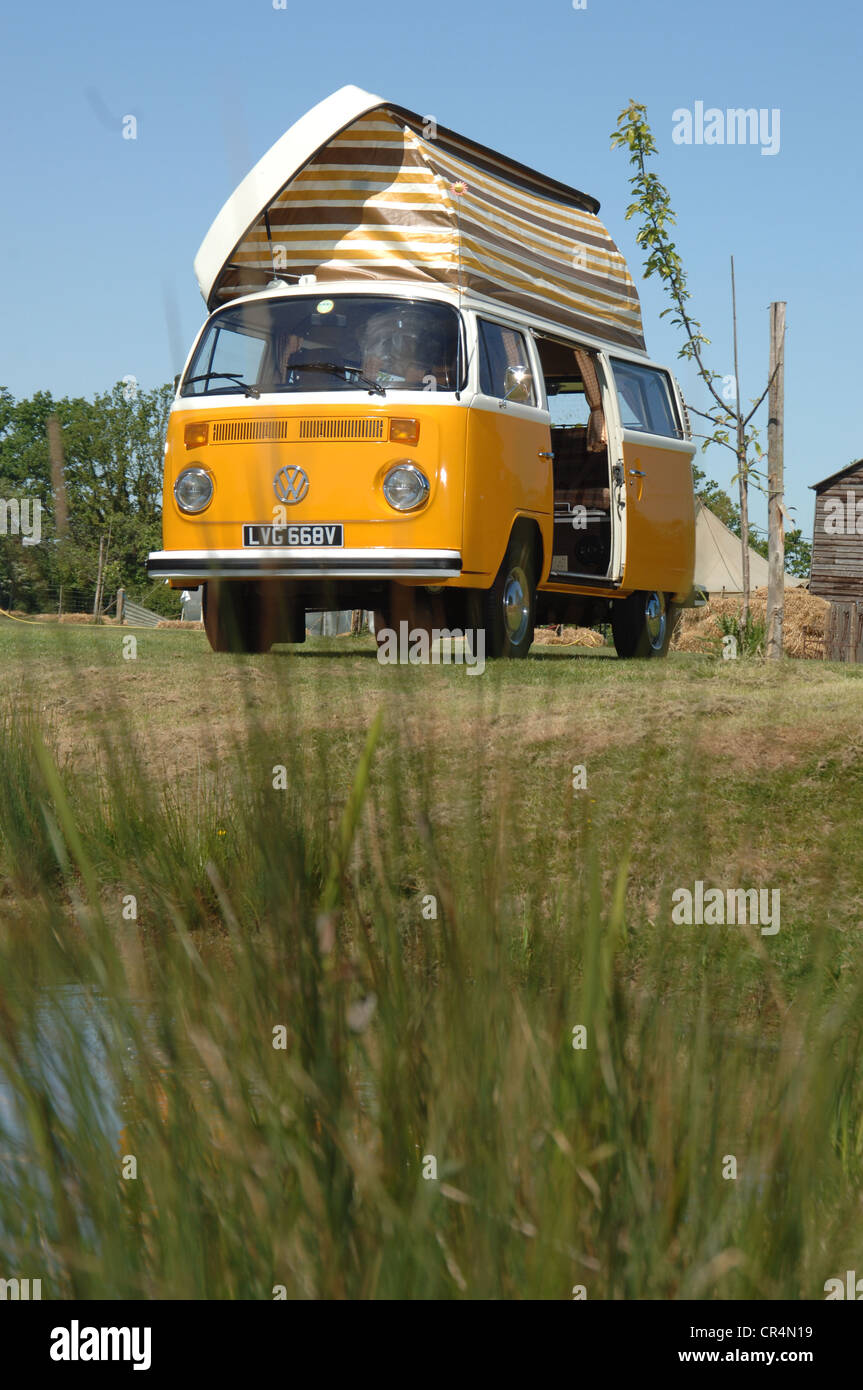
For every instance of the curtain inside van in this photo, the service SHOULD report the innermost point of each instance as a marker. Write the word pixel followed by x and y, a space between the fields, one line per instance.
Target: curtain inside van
pixel 597 433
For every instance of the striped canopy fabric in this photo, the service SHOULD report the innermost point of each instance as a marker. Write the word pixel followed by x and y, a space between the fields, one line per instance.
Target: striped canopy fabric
pixel 389 197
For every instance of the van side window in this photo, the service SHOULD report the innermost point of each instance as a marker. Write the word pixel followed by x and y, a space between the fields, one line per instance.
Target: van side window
pixel 500 348
pixel 567 403
pixel 645 400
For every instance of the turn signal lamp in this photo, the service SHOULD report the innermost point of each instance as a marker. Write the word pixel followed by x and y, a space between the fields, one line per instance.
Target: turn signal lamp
pixel 404 431
pixel 195 436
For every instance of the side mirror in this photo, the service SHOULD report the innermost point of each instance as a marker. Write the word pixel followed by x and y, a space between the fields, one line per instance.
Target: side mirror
pixel 518 384
pixel 176 382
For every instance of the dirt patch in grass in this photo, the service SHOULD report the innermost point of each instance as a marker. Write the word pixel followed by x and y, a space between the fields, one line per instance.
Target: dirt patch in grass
pixel 767 750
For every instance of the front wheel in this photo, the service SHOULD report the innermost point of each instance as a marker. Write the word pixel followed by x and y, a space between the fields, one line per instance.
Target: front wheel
pixel 232 617
pixel 641 625
pixel 508 608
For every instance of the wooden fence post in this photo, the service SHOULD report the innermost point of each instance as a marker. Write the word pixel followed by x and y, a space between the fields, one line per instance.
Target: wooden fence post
pixel 97 601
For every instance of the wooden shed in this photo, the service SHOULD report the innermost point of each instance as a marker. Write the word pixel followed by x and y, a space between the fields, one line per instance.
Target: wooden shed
pixel 837 560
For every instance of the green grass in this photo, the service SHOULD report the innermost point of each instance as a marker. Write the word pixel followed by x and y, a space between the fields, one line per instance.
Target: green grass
pixel 408 1035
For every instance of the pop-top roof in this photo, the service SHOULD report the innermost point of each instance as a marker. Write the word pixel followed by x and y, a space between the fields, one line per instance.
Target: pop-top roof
pixel 362 189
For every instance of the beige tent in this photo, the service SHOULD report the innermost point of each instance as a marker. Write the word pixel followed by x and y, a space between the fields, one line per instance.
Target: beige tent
pixel 719 558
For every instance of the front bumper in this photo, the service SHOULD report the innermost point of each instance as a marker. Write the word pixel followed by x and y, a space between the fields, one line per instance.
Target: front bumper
pixel 311 562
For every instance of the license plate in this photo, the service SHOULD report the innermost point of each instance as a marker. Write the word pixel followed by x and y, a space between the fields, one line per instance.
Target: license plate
pixel 314 534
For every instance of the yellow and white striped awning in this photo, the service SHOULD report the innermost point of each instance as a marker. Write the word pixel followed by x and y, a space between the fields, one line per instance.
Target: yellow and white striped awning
pixel 383 195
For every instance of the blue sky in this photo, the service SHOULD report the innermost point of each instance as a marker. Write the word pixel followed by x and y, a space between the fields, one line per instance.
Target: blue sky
pixel 98 233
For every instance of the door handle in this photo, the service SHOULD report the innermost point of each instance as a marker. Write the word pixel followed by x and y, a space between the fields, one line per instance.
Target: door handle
pixel 636 473
pixel 544 454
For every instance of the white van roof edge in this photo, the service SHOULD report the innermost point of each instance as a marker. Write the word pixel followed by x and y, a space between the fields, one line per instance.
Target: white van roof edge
pixel 290 152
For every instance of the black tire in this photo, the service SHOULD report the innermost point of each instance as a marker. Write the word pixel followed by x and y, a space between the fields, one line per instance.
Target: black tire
pixel 641 625
pixel 295 626
pixel 280 617
pixel 390 609
pixel 232 617
pixel 508 608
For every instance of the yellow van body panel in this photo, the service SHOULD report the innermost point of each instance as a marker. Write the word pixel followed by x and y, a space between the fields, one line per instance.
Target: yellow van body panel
pixel 505 477
pixel 660 519
pixel 345 474
pixel 485 469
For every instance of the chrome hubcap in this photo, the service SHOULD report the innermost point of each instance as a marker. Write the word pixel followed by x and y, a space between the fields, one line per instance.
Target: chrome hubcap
pixel 516 605
pixel 655 620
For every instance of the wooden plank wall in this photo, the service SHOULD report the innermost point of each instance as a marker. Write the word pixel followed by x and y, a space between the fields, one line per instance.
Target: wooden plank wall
pixel 843 640
pixel 837 560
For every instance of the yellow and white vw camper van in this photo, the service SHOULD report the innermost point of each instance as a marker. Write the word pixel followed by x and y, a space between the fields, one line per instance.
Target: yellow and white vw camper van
pixel 422 389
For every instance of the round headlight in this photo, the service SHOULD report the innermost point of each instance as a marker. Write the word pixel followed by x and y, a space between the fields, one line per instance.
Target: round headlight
pixel 193 490
pixel 405 487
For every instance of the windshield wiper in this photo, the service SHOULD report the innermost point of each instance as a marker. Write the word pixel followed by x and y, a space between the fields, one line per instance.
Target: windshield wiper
pixel 228 376
pixel 346 373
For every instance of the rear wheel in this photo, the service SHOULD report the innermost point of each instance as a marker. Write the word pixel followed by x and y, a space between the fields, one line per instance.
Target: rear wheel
pixel 508 608
pixel 641 625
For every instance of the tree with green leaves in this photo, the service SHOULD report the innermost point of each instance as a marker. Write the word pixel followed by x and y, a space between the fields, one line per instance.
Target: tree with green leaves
pixel 732 427
pixel 113 456
pixel 716 498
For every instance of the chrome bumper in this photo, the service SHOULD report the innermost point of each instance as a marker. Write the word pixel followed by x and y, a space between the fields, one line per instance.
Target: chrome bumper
pixel 310 562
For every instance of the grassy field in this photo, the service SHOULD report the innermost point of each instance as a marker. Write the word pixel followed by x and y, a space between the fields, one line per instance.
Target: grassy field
pixel 303 941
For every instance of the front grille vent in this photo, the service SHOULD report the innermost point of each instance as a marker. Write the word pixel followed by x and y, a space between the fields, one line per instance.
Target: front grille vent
pixel 249 431
pixel 320 430
pixel 367 427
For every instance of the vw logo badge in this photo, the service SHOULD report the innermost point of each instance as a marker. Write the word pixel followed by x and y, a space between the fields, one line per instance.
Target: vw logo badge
pixel 290 485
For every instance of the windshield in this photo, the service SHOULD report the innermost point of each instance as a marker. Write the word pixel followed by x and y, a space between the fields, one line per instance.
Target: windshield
pixel 327 343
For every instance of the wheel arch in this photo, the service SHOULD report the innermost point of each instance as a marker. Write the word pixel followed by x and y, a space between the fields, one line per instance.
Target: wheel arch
pixel 529 528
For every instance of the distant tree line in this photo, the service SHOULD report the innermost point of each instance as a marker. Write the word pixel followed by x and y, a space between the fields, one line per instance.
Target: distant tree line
pixel 112 454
